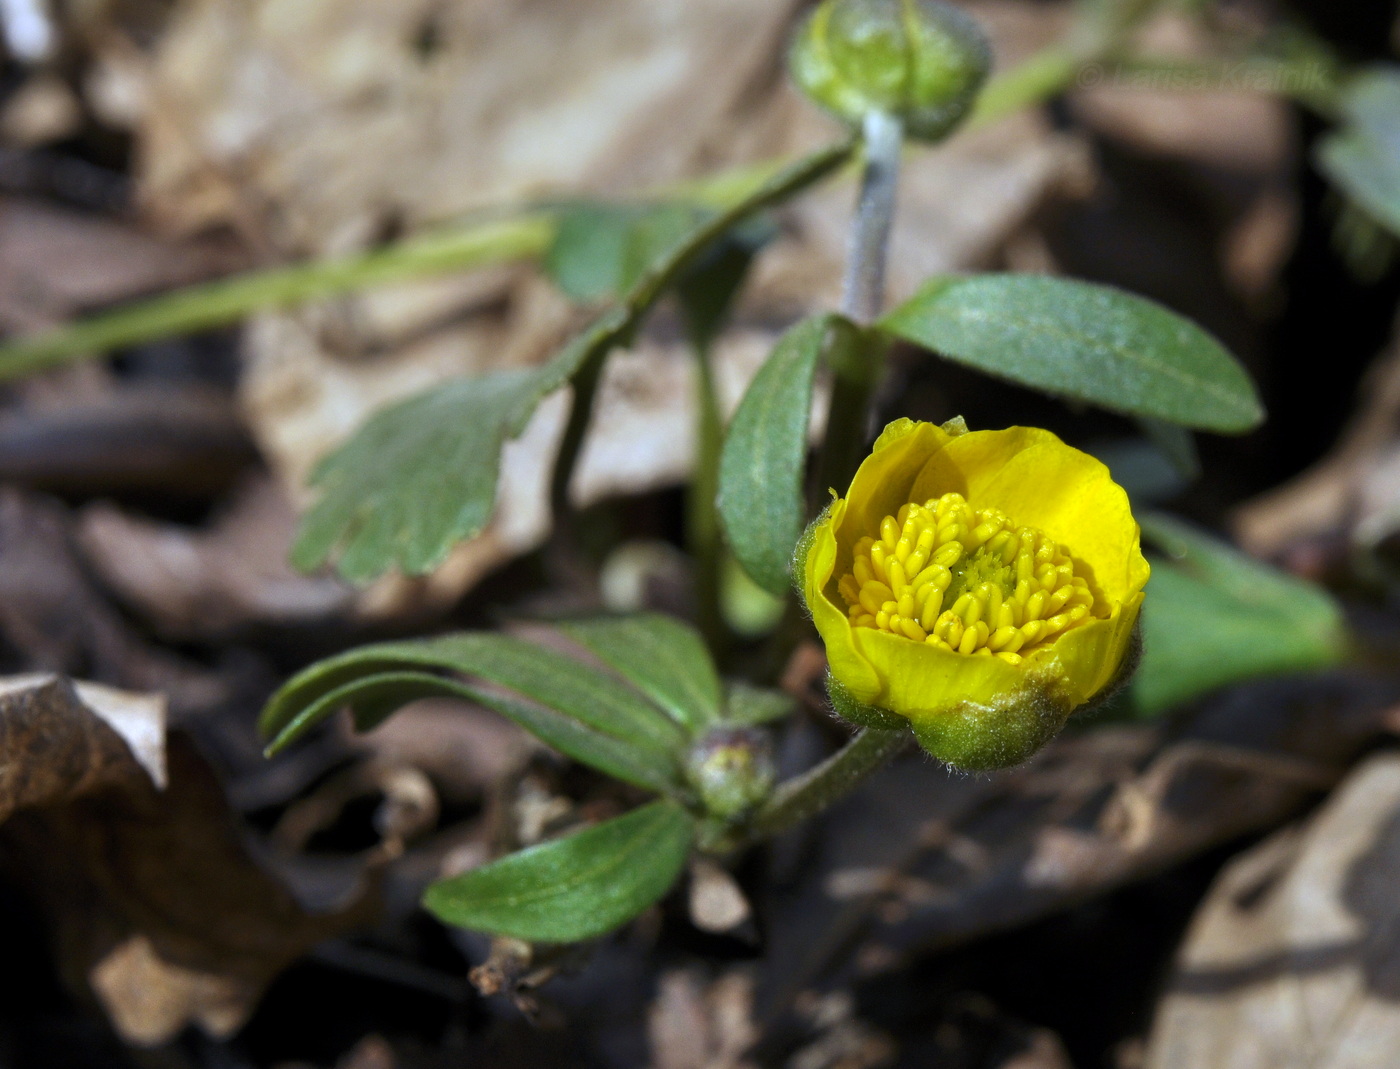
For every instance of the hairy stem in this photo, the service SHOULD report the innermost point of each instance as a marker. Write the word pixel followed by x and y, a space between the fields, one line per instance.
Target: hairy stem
pixel 807 795
pixel 702 517
pixel 863 291
pixel 857 370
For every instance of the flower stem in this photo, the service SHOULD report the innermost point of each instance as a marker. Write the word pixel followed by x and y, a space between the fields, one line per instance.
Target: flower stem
pixel 863 296
pixel 863 291
pixel 814 790
pixel 702 517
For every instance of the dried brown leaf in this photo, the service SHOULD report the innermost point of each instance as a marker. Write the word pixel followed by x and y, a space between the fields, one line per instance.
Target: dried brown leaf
pixel 122 837
pixel 1294 958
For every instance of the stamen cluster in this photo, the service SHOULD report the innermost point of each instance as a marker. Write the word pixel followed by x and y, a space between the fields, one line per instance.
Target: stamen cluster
pixel 1006 589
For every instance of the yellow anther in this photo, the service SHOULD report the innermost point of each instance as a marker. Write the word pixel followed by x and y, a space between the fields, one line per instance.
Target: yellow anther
pixel 1009 588
pixel 894 572
pixel 912 630
pixel 849 589
pixel 1035 606
pixel 873 595
pixel 933 605
pixel 877 559
pixel 889 532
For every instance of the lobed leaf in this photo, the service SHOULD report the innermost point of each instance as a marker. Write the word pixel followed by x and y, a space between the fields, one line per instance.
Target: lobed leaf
pixel 421 475
pixel 1085 342
pixel 578 887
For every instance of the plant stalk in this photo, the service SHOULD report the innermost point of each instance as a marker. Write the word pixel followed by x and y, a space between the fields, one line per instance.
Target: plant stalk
pixel 857 372
pixel 702 517
pixel 808 794
pixel 863 290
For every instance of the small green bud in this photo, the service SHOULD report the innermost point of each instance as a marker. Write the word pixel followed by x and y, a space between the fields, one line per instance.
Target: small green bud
pixel 919 60
pixel 732 769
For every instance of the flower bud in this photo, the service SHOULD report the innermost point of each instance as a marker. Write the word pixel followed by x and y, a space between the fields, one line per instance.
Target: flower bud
pixel 919 60
pixel 732 769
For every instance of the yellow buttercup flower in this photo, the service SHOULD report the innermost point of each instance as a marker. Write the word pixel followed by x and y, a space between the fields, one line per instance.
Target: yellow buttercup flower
pixel 980 586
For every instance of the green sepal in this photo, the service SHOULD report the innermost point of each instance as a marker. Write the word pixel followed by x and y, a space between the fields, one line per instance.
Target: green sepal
pixel 920 60
pixel 852 710
pixel 981 738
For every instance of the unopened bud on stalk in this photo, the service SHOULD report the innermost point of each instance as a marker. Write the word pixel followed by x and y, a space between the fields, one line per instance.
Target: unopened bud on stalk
pixel 732 769
pixel 921 61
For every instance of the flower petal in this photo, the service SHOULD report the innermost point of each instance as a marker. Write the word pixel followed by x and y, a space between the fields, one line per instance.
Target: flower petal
pixel 1037 480
pixel 847 663
pixel 920 680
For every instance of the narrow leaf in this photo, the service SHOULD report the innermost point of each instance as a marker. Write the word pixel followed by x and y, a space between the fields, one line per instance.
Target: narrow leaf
pixel 1085 342
pixel 584 712
pixel 765 453
pixel 662 657
pixel 1214 616
pixel 575 888
pixel 377 695
pixel 595 698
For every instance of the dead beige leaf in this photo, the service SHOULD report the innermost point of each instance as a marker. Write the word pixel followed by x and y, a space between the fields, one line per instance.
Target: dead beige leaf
pixel 717 902
pixel 207 582
pixel 122 836
pixel 1294 958
pixel 59 741
pixel 693 1024
pixel 149 999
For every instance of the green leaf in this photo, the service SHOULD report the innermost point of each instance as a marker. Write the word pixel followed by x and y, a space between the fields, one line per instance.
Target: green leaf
pixel 578 887
pixel 1213 617
pixel 750 706
pixel 1362 157
pixel 708 289
pixel 601 250
pixel 666 660
pixel 373 698
pixel 420 476
pixel 1085 342
pixel 594 700
pixel 765 454
pixel 1176 444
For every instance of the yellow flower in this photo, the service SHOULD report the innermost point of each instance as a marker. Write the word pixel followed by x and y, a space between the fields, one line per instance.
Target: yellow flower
pixel 980 586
